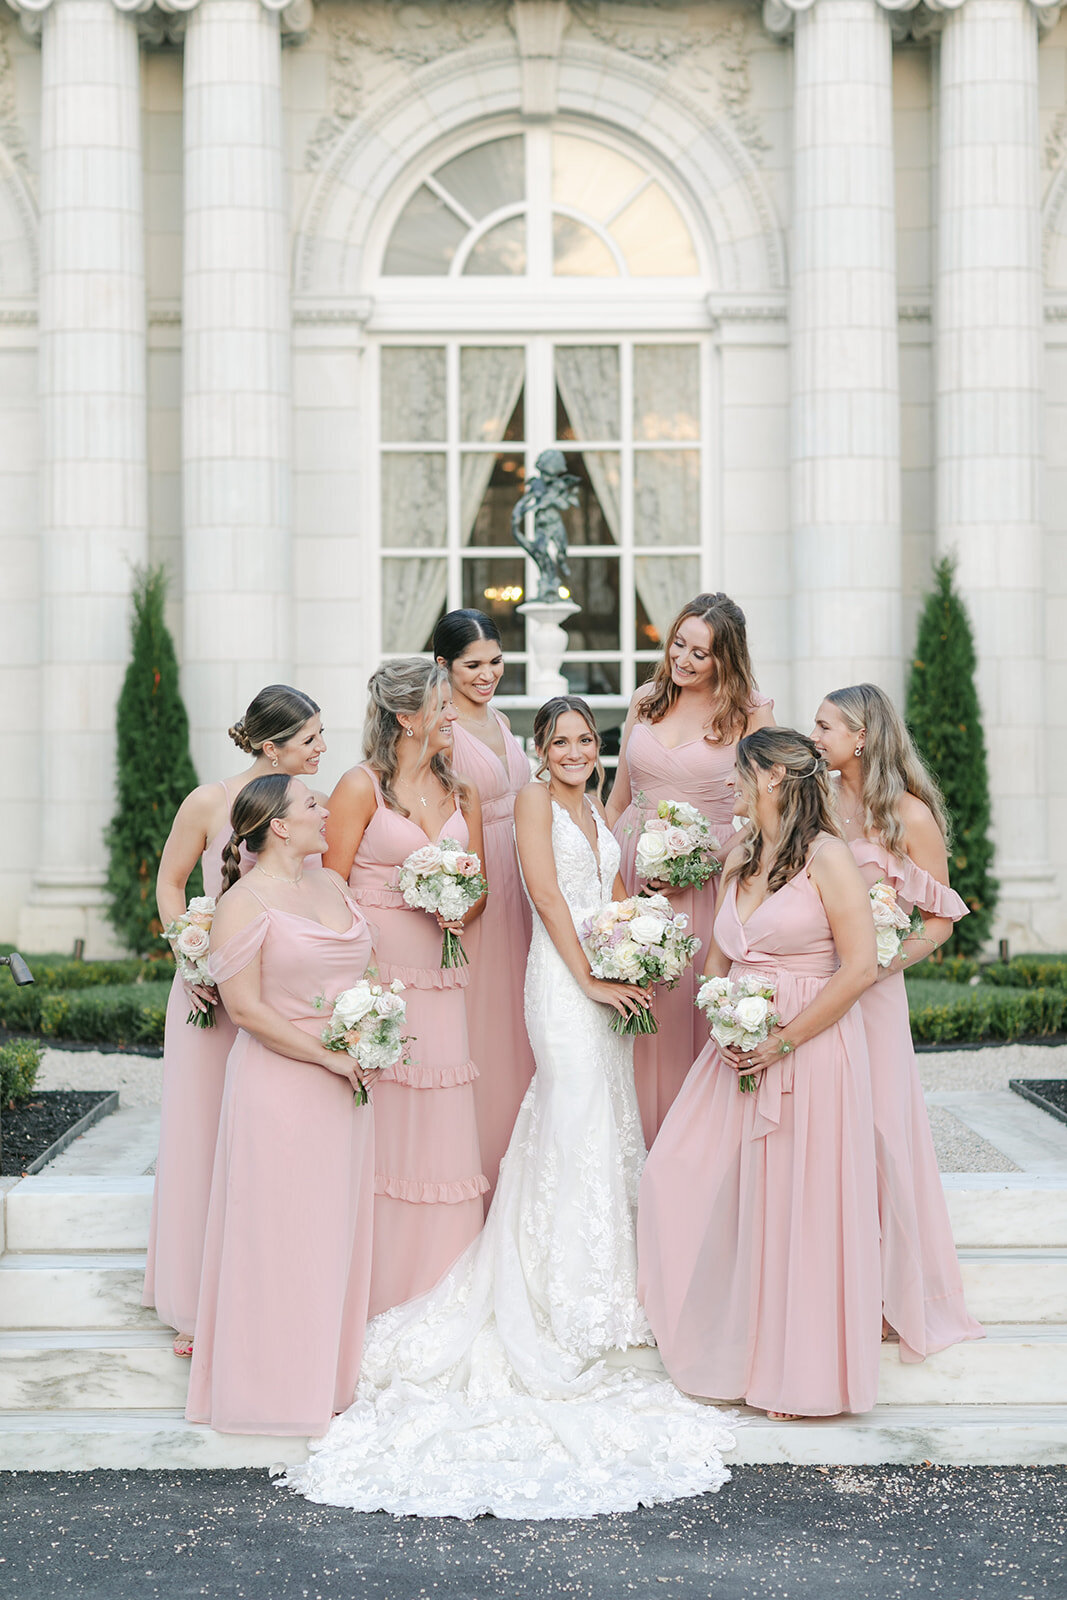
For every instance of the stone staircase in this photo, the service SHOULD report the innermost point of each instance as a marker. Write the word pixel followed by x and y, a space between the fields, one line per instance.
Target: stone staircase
pixel 88 1380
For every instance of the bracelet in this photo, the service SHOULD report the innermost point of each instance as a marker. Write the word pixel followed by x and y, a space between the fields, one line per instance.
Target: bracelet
pixel 785 1048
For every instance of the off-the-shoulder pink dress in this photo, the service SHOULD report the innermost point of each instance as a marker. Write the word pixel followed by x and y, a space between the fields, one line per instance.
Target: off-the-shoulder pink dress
pixel 698 772
pixel 283 1294
pixel 194 1071
pixel 757 1232
pixel 428 1180
pixel 498 945
pixel 922 1289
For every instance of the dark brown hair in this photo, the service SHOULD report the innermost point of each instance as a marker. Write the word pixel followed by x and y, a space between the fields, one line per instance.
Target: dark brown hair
pixel 274 717
pixel 254 809
pixel 544 729
pixel 805 801
pixel 733 686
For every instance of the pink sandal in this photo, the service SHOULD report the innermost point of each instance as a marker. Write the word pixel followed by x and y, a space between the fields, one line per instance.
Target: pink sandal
pixel 183 1345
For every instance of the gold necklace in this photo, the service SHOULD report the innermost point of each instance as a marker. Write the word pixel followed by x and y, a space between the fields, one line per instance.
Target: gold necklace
pixel 279 877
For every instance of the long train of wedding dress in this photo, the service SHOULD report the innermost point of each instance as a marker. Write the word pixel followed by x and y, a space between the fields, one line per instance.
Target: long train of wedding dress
pixel 491 1393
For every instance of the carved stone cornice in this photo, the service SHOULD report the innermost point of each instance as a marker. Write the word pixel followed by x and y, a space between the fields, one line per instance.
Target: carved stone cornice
pixel 908 19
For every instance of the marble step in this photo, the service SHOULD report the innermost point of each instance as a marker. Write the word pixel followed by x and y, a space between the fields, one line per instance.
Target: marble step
pixel 995 1210
pixel 49 1213
pixel 90 1290
pixel 991 1435
pixel 1021 1285
pixel 136 1369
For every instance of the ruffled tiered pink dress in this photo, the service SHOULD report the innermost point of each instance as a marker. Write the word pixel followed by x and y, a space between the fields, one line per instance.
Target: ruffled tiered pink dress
pixel 194 1071
pixel 498 945
pixel 922 1289
pixel 757 1231
pixel 283 1294
pixel 698 772
pixel 428 1180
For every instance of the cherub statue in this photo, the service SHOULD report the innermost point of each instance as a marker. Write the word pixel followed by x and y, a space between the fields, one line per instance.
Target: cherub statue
pixel 546 496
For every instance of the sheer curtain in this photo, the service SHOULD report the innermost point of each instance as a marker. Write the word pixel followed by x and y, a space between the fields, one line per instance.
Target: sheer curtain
pixel 414 490
pixel 666 484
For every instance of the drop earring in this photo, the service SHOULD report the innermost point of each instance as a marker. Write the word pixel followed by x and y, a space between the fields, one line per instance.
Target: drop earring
pixel 858 750
pixel 410 733
pixel 274 761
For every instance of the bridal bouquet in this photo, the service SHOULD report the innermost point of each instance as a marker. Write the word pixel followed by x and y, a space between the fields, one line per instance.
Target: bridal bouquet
pixel 445 879
pixel 677 845
pixel 640 940
pixel 892 923
pixel 740 1014
pixel 189 937
pixel 366 1022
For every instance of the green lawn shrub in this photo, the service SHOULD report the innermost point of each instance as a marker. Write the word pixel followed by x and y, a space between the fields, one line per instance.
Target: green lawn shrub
pixel 1028 972
pixel 20 1061
pixel 943 1014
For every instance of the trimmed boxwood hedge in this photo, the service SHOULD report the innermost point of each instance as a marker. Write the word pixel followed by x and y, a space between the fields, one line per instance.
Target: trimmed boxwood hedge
pixel 20 1060
pixel 942 1013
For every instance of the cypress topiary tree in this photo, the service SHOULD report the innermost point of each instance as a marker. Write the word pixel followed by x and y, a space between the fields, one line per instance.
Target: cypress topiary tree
pixel 154 770
pixel 946 723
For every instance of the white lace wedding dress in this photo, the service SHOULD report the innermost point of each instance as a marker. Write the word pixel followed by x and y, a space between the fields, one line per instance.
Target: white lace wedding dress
pixel 490 1393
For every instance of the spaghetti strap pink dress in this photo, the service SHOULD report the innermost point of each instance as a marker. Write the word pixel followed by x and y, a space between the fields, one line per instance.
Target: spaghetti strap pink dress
pixel 283 1295
pixel 498 945
pixel 428 1179
pixel 757 1232
pixel 922 1290
pixel 698 772
pixel 194 1071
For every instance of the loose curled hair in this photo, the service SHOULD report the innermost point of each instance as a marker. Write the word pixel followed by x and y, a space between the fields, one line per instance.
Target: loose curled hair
pixel 457 629
pixel 733 686
pixel 408 687
pixel 544 730
pixel 253 811
pixel 275 715
pixel 805 801
pixel 890 765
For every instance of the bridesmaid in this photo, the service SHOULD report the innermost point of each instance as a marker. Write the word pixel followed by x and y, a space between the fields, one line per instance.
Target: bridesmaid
pixel 892 816
pixel 758 1212
pixel 283 1296
pixel 429 1181
pixel 282 731
pixel 679 743
pixel 487 755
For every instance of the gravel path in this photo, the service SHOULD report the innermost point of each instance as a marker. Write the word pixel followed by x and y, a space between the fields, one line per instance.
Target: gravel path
pixel 138 1078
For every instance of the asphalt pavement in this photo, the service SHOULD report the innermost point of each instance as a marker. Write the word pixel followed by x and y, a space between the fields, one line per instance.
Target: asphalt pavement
pixel 859 1533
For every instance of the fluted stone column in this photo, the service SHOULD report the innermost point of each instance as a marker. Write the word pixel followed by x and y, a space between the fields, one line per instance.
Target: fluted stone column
pixel 93 467
pixel 989 411
pixel 236 412
pixel 845 393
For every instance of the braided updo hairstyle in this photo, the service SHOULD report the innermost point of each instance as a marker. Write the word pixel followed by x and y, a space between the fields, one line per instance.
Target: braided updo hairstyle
pixel 275 715
pixel 255 808
pixel 805 800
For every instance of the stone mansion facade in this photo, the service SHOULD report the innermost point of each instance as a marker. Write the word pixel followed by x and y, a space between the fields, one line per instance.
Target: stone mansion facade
pixel 292 296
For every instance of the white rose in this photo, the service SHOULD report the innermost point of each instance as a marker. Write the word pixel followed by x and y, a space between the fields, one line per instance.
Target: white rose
pixel 391 1005
pixel 887 941
pixel 713 989
pixel 647 930
pixel 193 942
pixel 202 902
pixel 725 1033
pixel 651 852
pixel 752 1012
pixel 352 1006
pixel 679 841
pixel 689 816
pixel 426 859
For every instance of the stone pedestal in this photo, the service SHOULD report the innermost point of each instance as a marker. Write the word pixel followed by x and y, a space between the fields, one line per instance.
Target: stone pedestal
pixel 548 644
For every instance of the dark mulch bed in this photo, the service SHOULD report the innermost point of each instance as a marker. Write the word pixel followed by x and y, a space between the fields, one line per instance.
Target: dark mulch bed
pixel 1048 1093
pixel 27 1131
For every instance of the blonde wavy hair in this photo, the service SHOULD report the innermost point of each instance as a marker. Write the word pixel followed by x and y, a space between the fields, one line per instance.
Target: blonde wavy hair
pixel 890 765
pixel 805 801
pixel 544 728
pixel 734 686
pixel 409 687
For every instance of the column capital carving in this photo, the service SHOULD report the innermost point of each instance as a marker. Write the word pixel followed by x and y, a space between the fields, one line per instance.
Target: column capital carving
pixel 909 19
pixel 163 19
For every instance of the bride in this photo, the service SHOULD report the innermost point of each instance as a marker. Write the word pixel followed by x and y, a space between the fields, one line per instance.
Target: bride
pixel 491 1393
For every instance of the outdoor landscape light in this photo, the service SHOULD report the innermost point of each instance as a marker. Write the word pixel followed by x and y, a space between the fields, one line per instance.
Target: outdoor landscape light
pixel 19 970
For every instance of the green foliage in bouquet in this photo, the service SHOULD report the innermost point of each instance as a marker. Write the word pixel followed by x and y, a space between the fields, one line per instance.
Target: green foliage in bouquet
pixel 154 771
pixel 943 714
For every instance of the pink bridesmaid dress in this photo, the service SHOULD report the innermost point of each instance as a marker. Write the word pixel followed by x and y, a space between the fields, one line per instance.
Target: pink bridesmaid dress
pixel 428 1180
pixel 758 1213
pixel 922 1290
pixel 699 772
pixel 194 1070
pixel 283 1295
pixel 498 945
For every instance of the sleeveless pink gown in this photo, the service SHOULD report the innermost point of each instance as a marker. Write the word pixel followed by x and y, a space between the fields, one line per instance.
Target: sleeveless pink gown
pixel 697 772
pixel 194 1070
pixel 758 1213
pixel 283 1295
pixel 922 1290
pixel 498 945
pixel 428 1175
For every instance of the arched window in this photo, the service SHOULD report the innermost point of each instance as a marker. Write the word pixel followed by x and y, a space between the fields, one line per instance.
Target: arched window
pixel 566 308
